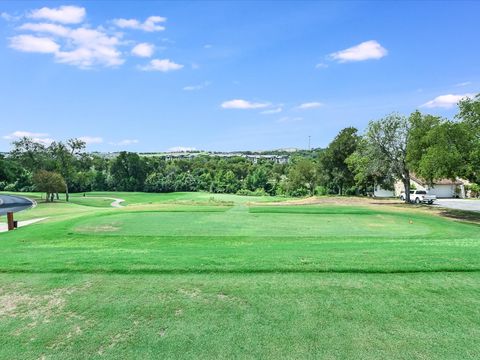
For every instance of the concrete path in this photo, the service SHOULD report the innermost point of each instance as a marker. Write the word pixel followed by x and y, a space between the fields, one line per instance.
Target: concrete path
pixel 4 226
pixel 117 202
pixel 459 204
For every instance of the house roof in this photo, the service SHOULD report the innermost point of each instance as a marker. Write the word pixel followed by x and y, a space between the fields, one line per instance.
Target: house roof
pixel 437 182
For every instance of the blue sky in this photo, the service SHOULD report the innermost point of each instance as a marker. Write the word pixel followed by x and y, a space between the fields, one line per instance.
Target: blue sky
pixel 153 76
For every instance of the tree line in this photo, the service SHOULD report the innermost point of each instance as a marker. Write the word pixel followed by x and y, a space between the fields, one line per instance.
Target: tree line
pixel 390 149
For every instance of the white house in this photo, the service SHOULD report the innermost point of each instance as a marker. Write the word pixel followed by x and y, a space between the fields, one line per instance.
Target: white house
pixel 444 188
pixel 382 193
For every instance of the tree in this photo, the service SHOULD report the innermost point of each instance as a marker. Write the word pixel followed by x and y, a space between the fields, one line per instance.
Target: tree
pixel 385 149
pixel 6 170
pixel 30 154
pixel 49 182
pixel 128 172
pixel 369 173
pixel 469 116
pixel 257 179
pixel 333 169
pixel 302 177
pixel 437 148
pixel 65 156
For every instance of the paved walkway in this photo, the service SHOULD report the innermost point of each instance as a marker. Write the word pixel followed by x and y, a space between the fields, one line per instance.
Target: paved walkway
pixel 4 226
pixel 117 203
pixel 459 204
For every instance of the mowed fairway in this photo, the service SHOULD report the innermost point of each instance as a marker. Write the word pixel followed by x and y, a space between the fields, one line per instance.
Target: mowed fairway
pixel 195 275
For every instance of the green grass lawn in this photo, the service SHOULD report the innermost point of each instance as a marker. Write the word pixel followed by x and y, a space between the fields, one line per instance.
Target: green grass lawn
pixel 196 275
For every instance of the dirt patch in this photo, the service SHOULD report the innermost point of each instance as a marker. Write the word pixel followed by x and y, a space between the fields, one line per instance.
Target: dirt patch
pixel 99 228
pixel 332 200
pixel 119 338
pixel 10 302
pixel 193 293
pixel 37 308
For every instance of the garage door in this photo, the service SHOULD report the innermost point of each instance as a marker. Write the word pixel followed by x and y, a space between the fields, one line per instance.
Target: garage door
pixel 442 191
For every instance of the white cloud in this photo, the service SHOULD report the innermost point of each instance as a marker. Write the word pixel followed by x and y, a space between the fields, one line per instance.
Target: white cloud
pixel 9 17
pixel 207 46
pixel 53 29
pixel 29 43
pixel 82 47
pixel 272 111
pixel 163 65
pixel 243 104
pixel 310 105
pixel 446 101
pixel 92 47
pixel 62 14
pixel 465 83
pixel 91 139
pixel 181 149
pixel 321 66
pixel 19 134
pixel 149 25
pixel 125 142
pixel 365 51
pixel 197 87
pixel 143 50
pixel 41 138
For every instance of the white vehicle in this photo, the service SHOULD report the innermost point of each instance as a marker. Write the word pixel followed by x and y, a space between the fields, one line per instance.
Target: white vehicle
pixel 419 196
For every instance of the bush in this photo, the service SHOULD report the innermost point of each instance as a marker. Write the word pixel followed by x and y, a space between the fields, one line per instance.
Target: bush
pixel 321 190
pixel 10 187
pixel 474 190
pixel 301 192
pixel 351 191
pixel 257 192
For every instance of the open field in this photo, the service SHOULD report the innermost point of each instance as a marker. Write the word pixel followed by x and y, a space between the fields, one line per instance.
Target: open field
pixel 196 275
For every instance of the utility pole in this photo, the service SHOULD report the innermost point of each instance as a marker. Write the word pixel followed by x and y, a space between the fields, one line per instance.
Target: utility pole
pixel 309 143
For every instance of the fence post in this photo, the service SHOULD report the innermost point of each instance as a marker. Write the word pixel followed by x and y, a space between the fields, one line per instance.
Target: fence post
pixel 10 221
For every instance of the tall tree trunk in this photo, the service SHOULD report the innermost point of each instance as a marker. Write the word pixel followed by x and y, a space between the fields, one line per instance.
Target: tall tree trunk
pixel 406 184
pixel 67 197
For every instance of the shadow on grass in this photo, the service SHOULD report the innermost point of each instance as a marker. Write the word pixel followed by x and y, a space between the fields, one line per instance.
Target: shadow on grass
pixel 463 215
pixel 238 271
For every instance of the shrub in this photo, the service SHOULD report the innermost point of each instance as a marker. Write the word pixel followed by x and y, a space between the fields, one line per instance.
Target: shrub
pixel 321 190
pixel 11 187
pixel 257 192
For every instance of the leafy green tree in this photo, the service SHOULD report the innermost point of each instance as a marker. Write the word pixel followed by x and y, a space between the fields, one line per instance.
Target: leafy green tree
pixel 257 179
pixel 368 173
pixel 128 172
pixel 333 168
pixel 49 182
pixel 7 170
pixel 437 148
pixel 469 115
pixel 65 157
pixel 302 177
pixel 384 150
pixel 30 154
